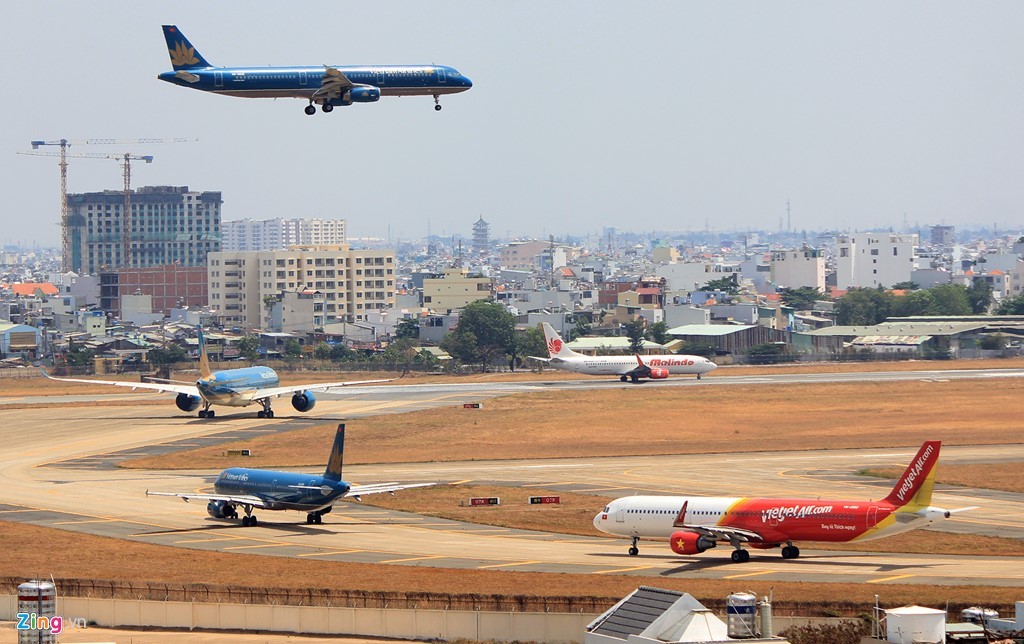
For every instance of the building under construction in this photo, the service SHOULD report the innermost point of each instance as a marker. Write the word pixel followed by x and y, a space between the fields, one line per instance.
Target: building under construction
pixel 168 225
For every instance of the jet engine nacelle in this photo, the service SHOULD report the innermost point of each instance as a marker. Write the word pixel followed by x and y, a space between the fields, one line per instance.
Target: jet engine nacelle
pixel 186 402
pixel 219 509
pixel 303 401
pixel 658 374
pixel 690 543
pixel 362 94
pixel 932 513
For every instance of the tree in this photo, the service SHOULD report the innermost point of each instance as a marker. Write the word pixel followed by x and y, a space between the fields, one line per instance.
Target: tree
pixel 322 351
pixel 1011 306
pixel 979 294
pixel 913 303
pixel 80 357
pixel 249 347
pixel 863 307
pixel 168 354
pixel 658 332
pixel 531 342
pixel 906 286
pixel 484 332
pixel 582 326
pixel 801 299
pixel 704 348
pixel 341 352
pixel 949 299
pixel 636 331
pixel 292 348
pixel 407 328
pixel 730 285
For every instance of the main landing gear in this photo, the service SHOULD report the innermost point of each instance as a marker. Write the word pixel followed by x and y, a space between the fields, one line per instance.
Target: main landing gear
pixel 311 109
pixel 266 412
pixel 249 520
pixel 437 103
pixel 314 517
pixel 633 550
pixel 740 555
pixel 206 412
pixel 789 551
pixel 327 108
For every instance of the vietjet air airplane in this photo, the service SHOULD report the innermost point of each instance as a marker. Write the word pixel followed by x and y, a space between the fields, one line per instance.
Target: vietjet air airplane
pixel 230 388
pixel 269 490
pixel 694 524
pixel 655 367
pixel 325 85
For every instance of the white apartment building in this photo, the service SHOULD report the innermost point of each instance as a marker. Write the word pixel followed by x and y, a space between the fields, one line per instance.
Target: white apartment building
pixel 243 284
pixel 874 259
pixel 278 234
pixel 798 268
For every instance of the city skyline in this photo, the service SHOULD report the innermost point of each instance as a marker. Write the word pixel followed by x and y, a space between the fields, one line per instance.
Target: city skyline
pixel 662 116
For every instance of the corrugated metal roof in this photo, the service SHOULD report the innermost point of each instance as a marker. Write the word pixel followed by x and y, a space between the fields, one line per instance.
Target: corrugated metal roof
pixel 900 340
pixel 637 612
pixel 620 342
pixel 902 328
pixel 709 329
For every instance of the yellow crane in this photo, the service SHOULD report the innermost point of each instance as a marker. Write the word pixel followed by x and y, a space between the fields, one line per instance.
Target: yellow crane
pixel 126 224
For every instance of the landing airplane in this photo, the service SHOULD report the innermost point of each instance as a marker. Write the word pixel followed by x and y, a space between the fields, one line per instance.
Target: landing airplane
pixel 325 85
pixel 694 524
pixel 230 388
pixel 655 367
pixel 269 490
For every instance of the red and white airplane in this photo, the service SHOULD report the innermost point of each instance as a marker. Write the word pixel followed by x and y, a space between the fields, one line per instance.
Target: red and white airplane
pixel 634 367
pixel 694 524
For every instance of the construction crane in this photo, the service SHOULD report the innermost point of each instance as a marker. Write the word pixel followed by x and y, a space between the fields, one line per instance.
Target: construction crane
pixel 65 241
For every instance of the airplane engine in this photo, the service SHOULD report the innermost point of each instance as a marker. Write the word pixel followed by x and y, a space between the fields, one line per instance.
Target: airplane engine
pixel 220 509
pixel 187 403
pixel 690 543
pixel 303 401
pixel 658 374
pixel 362 94
pixel 932 513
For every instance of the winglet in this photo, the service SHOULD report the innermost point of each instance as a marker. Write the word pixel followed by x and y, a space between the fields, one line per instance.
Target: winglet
pixel 204 359
pixel 337 459
pixel 681 517
pixel 183 54
pixel 914 487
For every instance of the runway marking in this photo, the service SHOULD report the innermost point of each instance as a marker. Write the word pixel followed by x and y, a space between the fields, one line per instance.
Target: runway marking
pixel 258 545
pixel 885 579
pixel 85 521
pixel 414 559
pixel 505 565
pixel 330 552
pixel 463 482
pixel 548 484
pixel 601 489
pixel 605 572
pixel 210 540
pixel 749 574
pixel 25 510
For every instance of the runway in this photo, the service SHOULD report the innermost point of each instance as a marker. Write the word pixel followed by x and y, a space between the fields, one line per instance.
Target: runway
pixel 56 470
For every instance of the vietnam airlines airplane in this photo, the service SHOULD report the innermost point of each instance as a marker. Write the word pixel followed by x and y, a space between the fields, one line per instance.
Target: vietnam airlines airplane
pixel 655 367
pixel 325 85
pixel 230 388
pixel 269 490
pixel 694 524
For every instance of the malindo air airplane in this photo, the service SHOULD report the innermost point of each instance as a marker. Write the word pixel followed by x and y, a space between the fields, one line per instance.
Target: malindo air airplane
pixel 251 489
pixel 230 388
pixel 695 524
pixel 655 367
pixel 328 86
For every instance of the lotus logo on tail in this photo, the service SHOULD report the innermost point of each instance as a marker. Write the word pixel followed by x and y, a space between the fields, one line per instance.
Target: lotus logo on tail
pixel 182 55
pixel 554 346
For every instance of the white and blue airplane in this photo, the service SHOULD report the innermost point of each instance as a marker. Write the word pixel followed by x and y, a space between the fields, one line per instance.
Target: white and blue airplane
pixel 249 489
pixel 325 85
pixel 230 388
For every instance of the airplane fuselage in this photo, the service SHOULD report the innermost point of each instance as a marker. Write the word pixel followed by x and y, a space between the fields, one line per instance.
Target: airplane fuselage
pixel 776 520
pixel 236 387
pixel 281 490
pixel 618 365
pixel 303 82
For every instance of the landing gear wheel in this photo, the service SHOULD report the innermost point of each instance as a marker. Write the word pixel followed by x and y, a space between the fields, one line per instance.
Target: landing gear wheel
pixel 633 551
pixel 327 108
pixel 246 522
pixel 211 414
pixel 261 414
pixel 790 552
pixel 740 556
pixel 252 520
pixel 310 518
pixel 310 109
pixel 698 376
pixel 437 103
pixel 319 519
pixel 437 108
pixel 270 413
pixel 202 413
pixel 623 379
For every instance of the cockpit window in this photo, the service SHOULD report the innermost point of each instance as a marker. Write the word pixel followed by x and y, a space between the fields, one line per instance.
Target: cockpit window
pixel 607 507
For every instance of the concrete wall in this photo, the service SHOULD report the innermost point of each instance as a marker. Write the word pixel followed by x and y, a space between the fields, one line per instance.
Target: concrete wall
pixel 378 622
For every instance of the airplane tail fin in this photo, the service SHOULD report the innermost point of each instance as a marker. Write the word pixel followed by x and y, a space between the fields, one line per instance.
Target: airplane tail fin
pixel 333 471
pixel 183 54
pixel 914 487
pixel 204 359
pixel 556 347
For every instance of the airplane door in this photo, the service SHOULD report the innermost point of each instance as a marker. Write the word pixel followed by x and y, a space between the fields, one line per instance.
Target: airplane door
pixel 872 516
pixel 620 516
pixel 218 79
pixel 380 76
pixel 442 76
pixel 302 79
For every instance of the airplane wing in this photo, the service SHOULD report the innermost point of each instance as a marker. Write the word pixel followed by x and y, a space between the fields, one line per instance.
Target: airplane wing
pixel 640 370
pixel 272 392
pixel 357 491
pixel 538 359
pixel 334 83
pixel 713 531
pixel 177 388
pixel 241 499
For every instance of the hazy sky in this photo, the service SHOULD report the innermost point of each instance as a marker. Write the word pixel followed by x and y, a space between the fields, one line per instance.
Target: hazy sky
pixel 642 115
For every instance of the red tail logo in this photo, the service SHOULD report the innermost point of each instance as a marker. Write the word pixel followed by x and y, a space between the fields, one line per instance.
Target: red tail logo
pixel 554 346
pixel 916 475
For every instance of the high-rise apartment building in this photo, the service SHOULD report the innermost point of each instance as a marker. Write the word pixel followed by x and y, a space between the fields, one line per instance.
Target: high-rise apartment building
pixel 352 282
pixel 798 268
pixel 278 234
pixel 169 225
pixel 875 259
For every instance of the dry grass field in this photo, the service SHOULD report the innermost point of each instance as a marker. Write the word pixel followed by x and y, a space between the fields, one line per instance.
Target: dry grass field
pixel 1008 477
pixel 648 419
pixel 30 551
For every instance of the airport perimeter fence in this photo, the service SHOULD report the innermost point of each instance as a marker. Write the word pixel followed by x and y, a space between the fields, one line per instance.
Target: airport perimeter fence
pixel 211 593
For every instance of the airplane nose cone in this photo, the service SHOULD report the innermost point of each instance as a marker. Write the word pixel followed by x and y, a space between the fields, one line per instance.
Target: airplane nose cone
pixel 466 82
